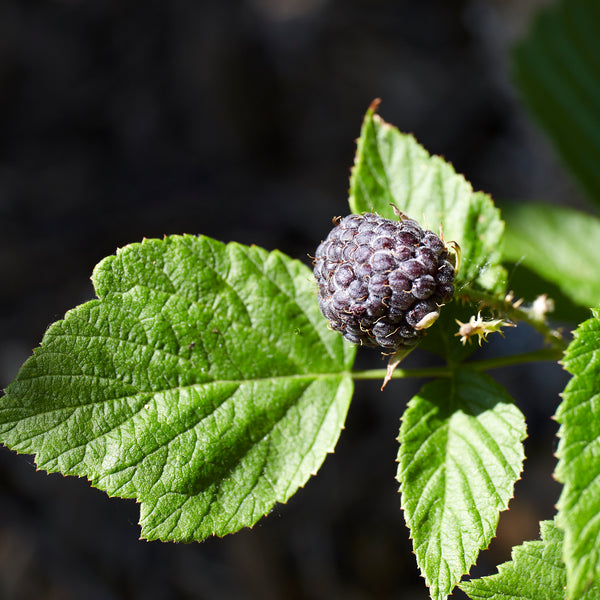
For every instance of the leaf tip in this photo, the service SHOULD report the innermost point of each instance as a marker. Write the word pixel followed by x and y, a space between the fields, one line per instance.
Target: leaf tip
pixel 374 105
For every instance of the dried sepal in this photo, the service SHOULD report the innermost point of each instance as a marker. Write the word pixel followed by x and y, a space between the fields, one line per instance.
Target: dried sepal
pixel 541 306
pixel 478 326
pixel 394 360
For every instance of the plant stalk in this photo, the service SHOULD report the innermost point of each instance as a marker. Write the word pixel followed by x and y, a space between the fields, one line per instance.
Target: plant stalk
pixel 542 355
pixel 508 310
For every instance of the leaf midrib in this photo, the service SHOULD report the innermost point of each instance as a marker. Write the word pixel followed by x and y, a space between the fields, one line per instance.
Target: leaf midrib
pixel 297 376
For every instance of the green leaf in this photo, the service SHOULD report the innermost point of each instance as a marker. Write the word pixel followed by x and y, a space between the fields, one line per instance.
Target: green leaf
pixel 579 458
pixel 392 168
pixel 460 455
pixel 529 285
pixel 557 243
pixel 557 69
pixel 536 572
pixel 203 382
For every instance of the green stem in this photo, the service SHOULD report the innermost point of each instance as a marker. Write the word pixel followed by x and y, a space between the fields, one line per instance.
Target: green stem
pixel 545 354
pixel 509 311
pixel 542 355
pixel 403 373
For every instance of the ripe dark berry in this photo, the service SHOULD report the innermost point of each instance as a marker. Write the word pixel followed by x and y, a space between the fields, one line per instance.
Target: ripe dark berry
pixel 382 282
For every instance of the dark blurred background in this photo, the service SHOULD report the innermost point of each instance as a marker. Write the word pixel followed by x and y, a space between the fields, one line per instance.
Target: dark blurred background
pixel 122 120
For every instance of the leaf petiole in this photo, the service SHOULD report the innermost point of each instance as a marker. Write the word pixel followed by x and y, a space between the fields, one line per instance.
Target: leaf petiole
pixel 542 355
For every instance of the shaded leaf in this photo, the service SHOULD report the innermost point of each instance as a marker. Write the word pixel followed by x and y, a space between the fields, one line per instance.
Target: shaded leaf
pixel 460 455
pixel 441 339
pixel 529 285
pixel 203 382
pixel 557 243
pixel 557 69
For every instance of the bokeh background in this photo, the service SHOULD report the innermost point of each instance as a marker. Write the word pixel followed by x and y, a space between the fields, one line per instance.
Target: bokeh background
pixel 122 120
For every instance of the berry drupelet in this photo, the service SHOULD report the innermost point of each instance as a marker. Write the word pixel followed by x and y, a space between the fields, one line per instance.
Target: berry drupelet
pixel 382 282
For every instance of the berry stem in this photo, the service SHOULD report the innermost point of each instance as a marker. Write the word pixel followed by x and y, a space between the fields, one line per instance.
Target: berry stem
pixel 544 354
pixel 513 312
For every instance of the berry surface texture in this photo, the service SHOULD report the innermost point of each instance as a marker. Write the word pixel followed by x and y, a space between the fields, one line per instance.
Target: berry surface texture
pixel 382 282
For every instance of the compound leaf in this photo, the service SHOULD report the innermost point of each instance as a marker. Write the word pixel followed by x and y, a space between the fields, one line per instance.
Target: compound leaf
pixel 203 382
pixel 391 168
pixel 536 572
pixel 557 243
pixel 579 458
pixel 557 70
pixel 460 455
